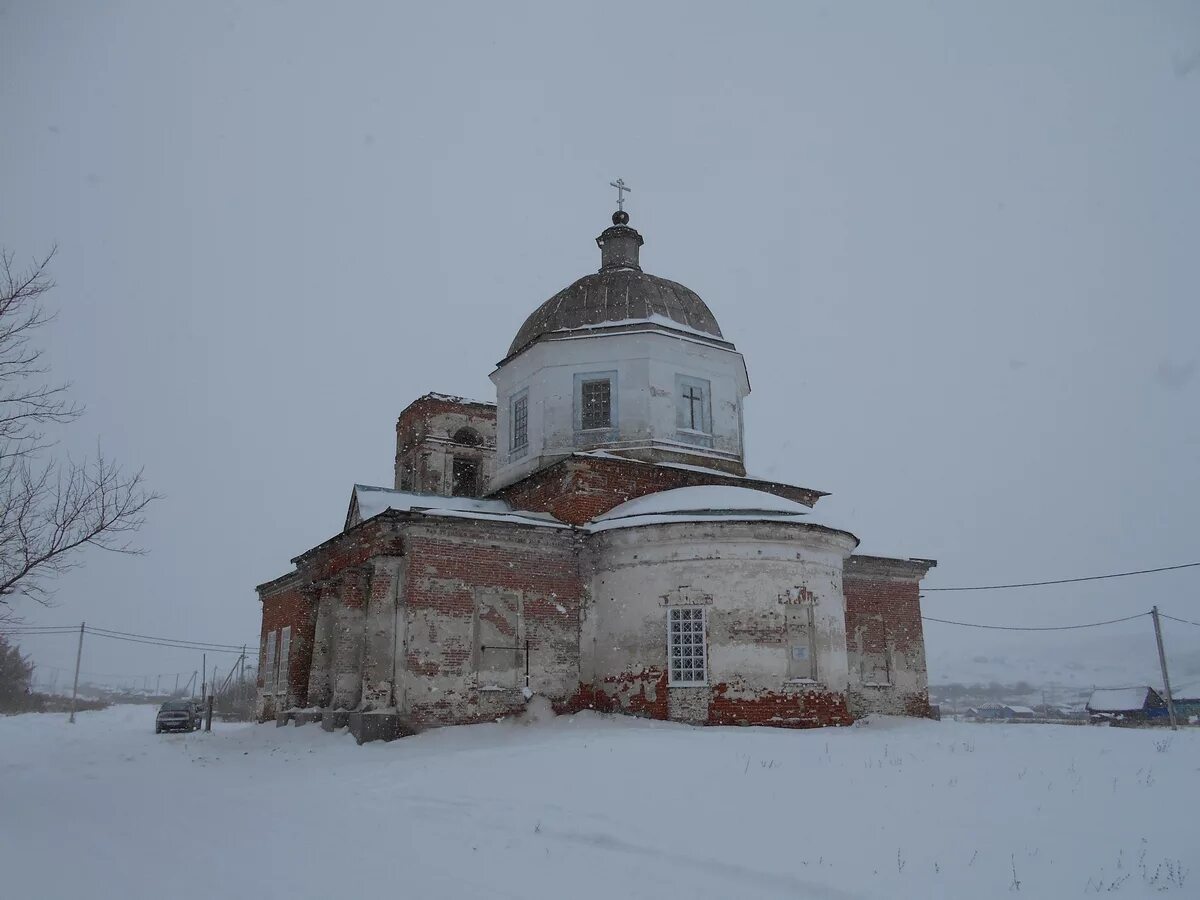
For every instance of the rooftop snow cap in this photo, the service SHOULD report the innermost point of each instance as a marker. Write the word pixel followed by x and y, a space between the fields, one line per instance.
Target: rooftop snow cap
pixel 620 291
pixel 708 503
pixel 706 500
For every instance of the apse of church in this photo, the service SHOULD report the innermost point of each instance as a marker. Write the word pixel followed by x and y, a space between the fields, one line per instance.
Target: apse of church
pixel 592 539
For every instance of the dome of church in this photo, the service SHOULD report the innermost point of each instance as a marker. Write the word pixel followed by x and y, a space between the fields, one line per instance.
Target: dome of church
pixel 619 292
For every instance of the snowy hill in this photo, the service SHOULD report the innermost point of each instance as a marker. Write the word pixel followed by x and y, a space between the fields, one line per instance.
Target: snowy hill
pixel 592 807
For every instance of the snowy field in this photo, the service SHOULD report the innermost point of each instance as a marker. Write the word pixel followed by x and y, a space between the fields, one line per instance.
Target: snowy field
pixel 592 807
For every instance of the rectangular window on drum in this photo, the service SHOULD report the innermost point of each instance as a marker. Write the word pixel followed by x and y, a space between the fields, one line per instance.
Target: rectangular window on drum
pixel 693 405
pixel 596 404
pixel 687 653
pixel 520 424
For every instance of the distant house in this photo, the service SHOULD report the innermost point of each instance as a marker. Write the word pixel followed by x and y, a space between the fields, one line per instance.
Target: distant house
pixel 1129 706
pixel 1187 709
pixel 1000 712
pixel 987 711
pixel 1019 712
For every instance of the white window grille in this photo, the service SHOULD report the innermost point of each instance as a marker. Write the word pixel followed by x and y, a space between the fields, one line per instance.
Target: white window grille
pixel 687 653
pixel 285 652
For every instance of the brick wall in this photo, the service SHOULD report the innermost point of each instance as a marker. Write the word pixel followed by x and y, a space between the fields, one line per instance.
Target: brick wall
pixel 292 600
pixel 580 488
pixel 883 632
pixel 292 607
pixel 459 574
pixel 424 445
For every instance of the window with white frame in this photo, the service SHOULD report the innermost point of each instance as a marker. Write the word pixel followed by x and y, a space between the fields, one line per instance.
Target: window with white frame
pixel 687 655
pixel 693 405
pixel 595 401
pixel 285 652
pixel 519 441
pixel 268 662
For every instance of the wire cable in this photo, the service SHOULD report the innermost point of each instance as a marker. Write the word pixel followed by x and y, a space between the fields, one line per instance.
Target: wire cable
pixel 150 637
pixel 1000 587
pixel 1033 628
pixel 1182 621
pixel 183 643
pixel 114 637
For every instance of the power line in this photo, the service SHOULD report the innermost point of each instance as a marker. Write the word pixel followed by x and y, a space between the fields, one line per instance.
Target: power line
pixel 998 587
pixel 1183 621
pixel 182 643
pixel 151 637
pixel 161 643
pixel 1031 628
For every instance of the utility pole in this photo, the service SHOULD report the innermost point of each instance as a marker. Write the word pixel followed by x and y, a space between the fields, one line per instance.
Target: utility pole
pixel 1162 662
pixel 176 684
pixel 157 684
pixel 78 657
pixel 203 675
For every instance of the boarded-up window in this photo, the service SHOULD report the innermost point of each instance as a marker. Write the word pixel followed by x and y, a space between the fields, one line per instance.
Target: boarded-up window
pixel 875 664
pixel 801 641
pixel 500 639
pixel 285 653
pixel 268 663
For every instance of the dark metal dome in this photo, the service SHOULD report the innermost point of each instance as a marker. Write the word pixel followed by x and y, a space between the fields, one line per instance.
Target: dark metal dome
pixel 619 292
pixel 613 296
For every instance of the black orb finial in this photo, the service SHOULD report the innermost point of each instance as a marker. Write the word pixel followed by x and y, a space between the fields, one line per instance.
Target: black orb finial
pixel 620 217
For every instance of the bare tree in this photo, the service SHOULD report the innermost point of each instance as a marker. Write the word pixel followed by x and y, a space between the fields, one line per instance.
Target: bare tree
pixel 51 508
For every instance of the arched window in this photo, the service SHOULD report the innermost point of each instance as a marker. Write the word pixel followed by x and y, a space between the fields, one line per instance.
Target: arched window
pixel 468 436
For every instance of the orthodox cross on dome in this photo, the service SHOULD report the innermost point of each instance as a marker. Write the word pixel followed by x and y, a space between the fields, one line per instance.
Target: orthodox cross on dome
pixel 622 190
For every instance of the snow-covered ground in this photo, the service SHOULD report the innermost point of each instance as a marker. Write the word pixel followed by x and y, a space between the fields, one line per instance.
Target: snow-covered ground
pixel 593 807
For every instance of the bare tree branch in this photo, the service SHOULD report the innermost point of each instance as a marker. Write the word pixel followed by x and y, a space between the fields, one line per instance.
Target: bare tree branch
pixel 49 509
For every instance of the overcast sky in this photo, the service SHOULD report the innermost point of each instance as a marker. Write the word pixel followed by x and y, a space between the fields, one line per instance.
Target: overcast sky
pixel 956 242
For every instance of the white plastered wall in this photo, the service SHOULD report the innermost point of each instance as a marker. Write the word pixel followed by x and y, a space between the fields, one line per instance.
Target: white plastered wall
pixel 744 573
pixel 646 361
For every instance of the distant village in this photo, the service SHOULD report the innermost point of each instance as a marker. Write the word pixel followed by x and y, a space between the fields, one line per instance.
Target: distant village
pixel 1132 707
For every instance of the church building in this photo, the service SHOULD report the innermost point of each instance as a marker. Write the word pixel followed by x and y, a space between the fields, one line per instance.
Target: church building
pixel 591 538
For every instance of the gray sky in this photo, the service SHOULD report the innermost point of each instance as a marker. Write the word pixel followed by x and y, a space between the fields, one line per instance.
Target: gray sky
pixel 956 243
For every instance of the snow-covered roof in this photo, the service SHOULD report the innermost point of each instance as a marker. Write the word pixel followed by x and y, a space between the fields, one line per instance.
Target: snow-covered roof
pixel 374 500
pixel 1118 699
pixel 1021 710
pixel 655 319
pixel 704 503
pixel 454 398
pixel 708 498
